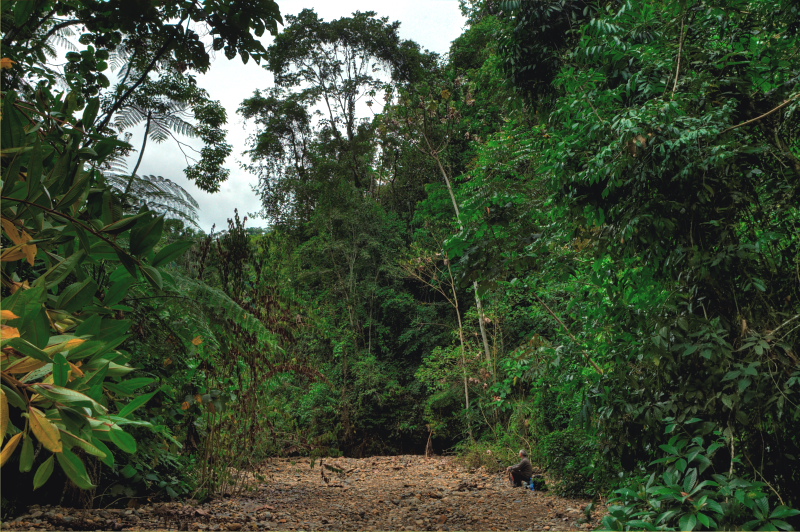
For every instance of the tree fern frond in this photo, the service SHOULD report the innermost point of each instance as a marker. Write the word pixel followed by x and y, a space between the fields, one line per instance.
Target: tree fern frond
pixel 179 125
pixel 115 164
pixel 158 132
pixel 128 117
pixel 160 194
pixel 217 306
pixel 60 39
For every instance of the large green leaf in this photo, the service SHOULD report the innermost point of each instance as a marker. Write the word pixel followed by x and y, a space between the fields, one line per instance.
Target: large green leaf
pixel 71 440
pixel 60 370
pixel 28 349
pixel 171 252
pixel 43 473
pixel 117 291
pixel 120 226
pixel 145 235
pixel 60 270
pixel 68 397
pixel 123 440
pixel 74 468
pixel 77 295
pixel 26 456
pixel 153 276
pixel 136 403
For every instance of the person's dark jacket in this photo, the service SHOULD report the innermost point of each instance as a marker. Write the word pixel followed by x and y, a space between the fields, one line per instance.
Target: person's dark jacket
pixel 523 469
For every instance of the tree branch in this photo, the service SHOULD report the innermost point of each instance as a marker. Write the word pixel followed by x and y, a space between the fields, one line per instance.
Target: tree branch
pixel 756 119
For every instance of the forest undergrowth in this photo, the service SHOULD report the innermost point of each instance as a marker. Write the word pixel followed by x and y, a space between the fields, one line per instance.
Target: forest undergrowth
pixel 575 234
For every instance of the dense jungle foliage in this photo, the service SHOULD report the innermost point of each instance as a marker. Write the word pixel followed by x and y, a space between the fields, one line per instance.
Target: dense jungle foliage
pixel 577 233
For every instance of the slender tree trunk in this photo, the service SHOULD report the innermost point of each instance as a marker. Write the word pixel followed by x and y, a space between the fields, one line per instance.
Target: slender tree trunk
pixel 463 352
pixel 478 303
pixel 141 154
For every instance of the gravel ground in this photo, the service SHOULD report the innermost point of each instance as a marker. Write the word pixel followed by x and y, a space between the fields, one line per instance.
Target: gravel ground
pixel 378 493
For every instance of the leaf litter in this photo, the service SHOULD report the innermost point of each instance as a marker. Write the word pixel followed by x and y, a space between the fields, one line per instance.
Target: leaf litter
pixel 378 493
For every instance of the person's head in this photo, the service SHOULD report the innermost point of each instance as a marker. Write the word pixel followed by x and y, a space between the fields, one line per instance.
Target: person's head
pixel 523 453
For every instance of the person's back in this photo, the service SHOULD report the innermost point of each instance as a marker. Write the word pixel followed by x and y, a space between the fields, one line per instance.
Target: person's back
pixel 522 472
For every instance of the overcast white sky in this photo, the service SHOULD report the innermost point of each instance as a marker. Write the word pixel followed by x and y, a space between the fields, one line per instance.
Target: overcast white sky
pixel 431 23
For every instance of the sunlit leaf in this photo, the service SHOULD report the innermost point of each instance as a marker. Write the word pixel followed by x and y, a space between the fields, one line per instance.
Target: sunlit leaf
pixel 8 315
pixel 8 332
pixel 44 430
pixel 9 449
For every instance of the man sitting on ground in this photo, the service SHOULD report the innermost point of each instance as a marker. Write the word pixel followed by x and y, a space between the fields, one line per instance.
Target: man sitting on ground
pixel 521 473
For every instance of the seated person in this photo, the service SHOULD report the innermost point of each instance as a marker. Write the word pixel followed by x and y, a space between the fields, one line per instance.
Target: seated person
pixel 520 474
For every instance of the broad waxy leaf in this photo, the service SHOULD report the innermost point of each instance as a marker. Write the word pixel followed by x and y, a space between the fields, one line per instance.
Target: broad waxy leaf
pixel 44 430
pixel 145 235
pixel 171 252
pixel 71 440
pixel 123 225
pixel 9 449
pixel 136 403
pixel 68 397
pixel 123 440
pixel 60 370
pixel 26 456
pixel 77 295
pixel 74 468
pixel 43 472
pixel 59 271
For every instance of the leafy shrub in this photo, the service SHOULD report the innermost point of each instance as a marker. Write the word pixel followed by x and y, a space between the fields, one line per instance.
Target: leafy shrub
pixel 569 456
pixel 688 495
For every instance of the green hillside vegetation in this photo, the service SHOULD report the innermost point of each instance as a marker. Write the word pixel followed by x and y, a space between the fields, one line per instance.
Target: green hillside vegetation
pixel 577 233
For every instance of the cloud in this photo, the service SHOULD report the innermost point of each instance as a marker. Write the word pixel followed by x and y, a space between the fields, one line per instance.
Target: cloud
pixel 431 23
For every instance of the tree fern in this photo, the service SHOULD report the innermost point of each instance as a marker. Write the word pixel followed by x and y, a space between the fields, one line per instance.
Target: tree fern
pixel 214 305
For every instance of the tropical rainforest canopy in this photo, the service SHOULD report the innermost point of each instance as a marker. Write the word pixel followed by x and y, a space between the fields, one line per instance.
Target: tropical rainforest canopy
pixel 578 232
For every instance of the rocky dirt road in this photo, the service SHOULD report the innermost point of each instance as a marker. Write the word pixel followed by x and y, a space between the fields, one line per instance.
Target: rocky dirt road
pixel 378 493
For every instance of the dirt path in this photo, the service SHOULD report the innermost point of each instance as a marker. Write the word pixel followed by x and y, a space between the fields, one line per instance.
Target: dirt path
pixel 379 493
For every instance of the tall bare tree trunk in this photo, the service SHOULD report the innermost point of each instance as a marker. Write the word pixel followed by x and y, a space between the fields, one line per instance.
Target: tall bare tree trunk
pixel 478 303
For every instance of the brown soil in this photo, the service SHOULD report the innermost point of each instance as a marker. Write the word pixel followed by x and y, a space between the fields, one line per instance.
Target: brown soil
pixel 378 493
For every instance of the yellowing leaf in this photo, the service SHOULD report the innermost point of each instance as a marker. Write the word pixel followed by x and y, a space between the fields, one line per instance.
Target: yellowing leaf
pixel 11 230
pixel 7 315
pixel 7 63
pixel 25 365
pixel 63 346
pixel 30 251
pixel 198 398
pixel 8 332
pixel 16 286
pixel 19 237
pixel 197 340
pixel 76 370
pixel 44 430
pixel 12 254
pixel 168 361
pixel 185 405
pixel 9 449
